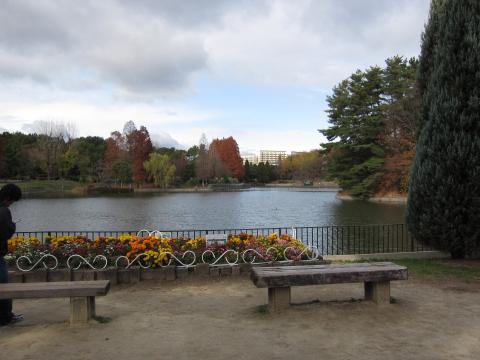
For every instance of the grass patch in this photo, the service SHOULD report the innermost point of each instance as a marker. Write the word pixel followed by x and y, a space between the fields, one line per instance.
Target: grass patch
pixel 262 309
pixel 435 268
pixel 46 185
pixel 440 269
pixel 102 319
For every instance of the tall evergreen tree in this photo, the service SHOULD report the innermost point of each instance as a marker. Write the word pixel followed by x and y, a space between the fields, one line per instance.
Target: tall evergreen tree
pixel 443 207
pixel 401 113
pixel 429 44
pixel 355 115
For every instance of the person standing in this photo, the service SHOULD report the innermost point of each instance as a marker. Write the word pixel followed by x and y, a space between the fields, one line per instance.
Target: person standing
pixel 8 195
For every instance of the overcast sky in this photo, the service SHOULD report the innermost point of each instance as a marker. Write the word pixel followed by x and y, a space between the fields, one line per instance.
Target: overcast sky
pixel 256 70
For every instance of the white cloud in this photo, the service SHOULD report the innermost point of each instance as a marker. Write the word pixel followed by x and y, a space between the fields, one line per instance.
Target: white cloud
pixel 101 63
pixel 163 139
pixel 95 119
pixel 315 43
pixel 273 139
pixel 49 41
pixel 155 47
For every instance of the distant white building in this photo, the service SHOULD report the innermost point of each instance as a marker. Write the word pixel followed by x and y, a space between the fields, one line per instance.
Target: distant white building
pixel 293 153
pixel 251 158
pixel 272 156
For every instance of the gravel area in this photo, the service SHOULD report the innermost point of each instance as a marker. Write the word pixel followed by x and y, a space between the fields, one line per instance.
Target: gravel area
pixel 224 319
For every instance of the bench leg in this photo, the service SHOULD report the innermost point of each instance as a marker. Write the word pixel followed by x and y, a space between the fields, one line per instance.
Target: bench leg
pixel 378 291
pixel 82 309
pixel 91 299
pixel 278 298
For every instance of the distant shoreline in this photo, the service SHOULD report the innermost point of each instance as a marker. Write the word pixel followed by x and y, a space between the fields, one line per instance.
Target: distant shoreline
pixel 45 188
pixel 55 188
pixel 385 199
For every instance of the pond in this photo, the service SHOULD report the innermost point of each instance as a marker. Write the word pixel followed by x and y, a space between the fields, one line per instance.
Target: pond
pixel 214 210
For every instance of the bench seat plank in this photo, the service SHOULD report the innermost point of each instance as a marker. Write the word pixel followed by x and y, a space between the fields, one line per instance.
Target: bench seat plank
pixel 54 289
pixel 286 276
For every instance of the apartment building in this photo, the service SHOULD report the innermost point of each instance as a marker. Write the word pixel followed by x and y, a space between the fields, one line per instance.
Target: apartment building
pixel 272 156
pixel 251 158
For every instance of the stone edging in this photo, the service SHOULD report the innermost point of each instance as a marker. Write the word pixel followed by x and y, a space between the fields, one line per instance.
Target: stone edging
pixel 136 274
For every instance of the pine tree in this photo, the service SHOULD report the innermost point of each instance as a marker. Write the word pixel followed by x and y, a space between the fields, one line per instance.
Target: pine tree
pixel 443 207
pixel 355 115
pixel 400 116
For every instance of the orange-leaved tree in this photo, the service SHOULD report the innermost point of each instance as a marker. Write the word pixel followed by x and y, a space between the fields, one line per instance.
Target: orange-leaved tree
pixel 228 152
pixel 140 146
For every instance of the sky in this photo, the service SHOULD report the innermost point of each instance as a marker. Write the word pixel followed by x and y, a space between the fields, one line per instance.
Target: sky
pixel 257 70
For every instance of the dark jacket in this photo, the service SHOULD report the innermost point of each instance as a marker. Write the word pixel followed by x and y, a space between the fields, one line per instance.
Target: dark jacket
pixel 7 228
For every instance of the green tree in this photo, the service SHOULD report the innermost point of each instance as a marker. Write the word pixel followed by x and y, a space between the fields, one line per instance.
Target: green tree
pixel 160 168
pixel 425 67
pixel 400 115
pixel 122 171
pixel 19 156
pixel 248 171
pixel 193 152
pixel 443 207
pixel 202 164
pixel 355 116
pixel 83 159
pixel 264 172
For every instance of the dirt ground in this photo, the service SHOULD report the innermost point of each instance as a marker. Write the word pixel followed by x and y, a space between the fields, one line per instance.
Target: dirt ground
pixel 223 319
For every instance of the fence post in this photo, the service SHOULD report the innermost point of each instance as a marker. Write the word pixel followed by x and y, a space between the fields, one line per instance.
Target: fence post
pixel 412 244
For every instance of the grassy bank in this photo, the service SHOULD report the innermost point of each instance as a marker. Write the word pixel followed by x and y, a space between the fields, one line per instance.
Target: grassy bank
pixel 47 186
pixel 443 269
pixel 437 269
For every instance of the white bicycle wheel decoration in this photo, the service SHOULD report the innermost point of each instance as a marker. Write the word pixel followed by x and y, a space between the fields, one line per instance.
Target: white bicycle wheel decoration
pixel 41 260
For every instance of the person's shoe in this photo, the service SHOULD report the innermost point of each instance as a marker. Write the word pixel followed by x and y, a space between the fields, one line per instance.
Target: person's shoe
pixel 16 318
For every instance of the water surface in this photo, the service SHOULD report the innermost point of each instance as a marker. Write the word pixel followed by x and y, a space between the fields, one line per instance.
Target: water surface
pixel 217 210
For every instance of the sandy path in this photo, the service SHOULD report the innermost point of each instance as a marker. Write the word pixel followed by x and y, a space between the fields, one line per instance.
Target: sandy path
pixel 220 320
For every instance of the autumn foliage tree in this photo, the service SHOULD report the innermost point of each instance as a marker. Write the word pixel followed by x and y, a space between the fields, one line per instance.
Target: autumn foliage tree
pixel 400 116
pixel 133 146
pixel 139 150
pixel 115 151
pixel 226 150
pixel 302 166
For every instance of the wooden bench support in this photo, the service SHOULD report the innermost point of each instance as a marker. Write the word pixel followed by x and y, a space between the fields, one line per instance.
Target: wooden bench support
pixel 378 291
pixel 278 298
pixel 82 309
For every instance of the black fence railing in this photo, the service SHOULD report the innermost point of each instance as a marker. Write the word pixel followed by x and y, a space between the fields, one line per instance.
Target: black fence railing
pixel 329 240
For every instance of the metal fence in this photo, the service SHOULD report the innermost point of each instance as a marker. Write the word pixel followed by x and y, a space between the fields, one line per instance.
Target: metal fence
pixel 329 240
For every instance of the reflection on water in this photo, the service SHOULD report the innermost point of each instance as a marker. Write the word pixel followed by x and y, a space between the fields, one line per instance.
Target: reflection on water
pixel 244 209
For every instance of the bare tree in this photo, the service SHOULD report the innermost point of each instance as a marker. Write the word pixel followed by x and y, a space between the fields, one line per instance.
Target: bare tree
pixel 202 168
pixel 54 136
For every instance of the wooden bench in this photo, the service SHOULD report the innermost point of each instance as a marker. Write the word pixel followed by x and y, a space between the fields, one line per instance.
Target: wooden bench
pixel 375 276
pixel 81 293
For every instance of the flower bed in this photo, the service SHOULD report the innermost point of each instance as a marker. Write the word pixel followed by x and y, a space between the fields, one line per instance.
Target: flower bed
pixel 152 251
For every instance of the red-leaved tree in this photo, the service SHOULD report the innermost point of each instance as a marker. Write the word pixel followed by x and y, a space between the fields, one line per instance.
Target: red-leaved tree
pixel 228 152
pixel 115 149
pixel 140 146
